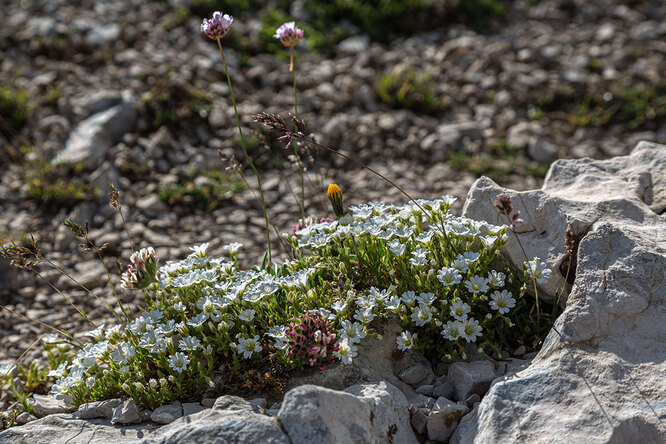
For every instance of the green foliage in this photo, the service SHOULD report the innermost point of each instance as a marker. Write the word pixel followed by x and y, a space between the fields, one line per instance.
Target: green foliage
pixel 479 14
pixel 410 89
pixel 56 186
pixel 497 161
pixel 14 110
pixel 174 104
pixel 218 189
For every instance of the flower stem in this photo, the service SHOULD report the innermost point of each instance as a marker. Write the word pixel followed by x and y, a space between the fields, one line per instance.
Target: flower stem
pixel 298 158
pixel 247 156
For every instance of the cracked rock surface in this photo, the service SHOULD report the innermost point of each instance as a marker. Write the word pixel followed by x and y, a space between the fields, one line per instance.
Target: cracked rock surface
pixel 599 376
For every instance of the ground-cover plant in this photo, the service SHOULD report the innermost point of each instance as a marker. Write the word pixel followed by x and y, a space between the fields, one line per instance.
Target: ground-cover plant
pixel 411 90
pixel 14 110
pixel 218 188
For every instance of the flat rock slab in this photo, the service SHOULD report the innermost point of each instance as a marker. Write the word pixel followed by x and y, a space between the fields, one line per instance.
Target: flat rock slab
pixel 599 377
pixel 68 429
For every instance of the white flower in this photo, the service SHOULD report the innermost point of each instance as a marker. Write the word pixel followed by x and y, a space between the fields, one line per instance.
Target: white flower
pixel 449 276
pixel 471 329
pixel 539 271
pixel 460 264
pixel 168 328
pixel 393 303
pixel 406 340
pixel 496 279
pixel 179 306
pixel 459 309
pixel 198 320
pixel 470 257
pixel 419 258
pixel 155 315
pixel 189 343
pixel 248 346
pixel 408 297
pixel 426 298
pixel 397 248
pixel 246 315
pixel 178 362
pixel 97 334
pixel 502 301
pixel 425 238
pixel 421 315
pixel 346 352
pixel 366 301
pixel 200 250
pixel 123 353
pixel 477 284
pixel 354 332
pixel 365 316
pixel 58 372
pixel 232 248
pixel 452 330
pixel 488 241
pixel 339 306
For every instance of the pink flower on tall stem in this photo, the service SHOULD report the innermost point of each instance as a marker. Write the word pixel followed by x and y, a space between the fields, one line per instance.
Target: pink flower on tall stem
pixel 218 26
pixel 290 36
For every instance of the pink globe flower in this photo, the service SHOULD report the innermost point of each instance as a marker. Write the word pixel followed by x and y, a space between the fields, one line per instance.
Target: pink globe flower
pixel 289 34
pixel 218 26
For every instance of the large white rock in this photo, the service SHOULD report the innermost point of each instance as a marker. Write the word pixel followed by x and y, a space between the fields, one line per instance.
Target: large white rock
pixel 368 413
pixel 599 377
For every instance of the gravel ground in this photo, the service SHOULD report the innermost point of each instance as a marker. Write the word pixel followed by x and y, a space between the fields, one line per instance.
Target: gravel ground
pixel 562 78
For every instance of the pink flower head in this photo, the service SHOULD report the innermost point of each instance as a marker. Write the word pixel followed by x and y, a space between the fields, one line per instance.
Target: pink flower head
pixel 218 26
pixel 289 34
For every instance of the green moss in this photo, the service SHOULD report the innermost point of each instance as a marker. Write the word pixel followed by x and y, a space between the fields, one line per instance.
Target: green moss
pixel 220 187
pixel 412 90
pixel 14 110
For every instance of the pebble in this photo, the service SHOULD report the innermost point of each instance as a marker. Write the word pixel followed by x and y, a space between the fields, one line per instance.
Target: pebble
pixel 471 377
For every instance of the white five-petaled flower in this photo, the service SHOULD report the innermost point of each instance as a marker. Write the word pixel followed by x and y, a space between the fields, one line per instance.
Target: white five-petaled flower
pixel 365 316
pixel 233 247
pixel 397 248
pixel 248 346
pixel 421 315
pixel 178 362
pixel 471 329
pixel 488 241
pixel 496 278
pixel 408 297
pixel 200 250
pixel 452 330
pixel 393 303
pixel 426 298
pixel 502 301
pixel 477 284
pixel 339 306
pixel 460 264
pixel 346 352
pixel 246 315
pixel 352 331
pixel 406 340
pixel 189 343
pixel 538 271
pixel 449 276
pixel 459 309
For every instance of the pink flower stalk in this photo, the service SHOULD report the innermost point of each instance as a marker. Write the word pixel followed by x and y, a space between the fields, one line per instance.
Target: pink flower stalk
pixel 142 266
pixel 218 26
pixel 312 341
pixel 289 34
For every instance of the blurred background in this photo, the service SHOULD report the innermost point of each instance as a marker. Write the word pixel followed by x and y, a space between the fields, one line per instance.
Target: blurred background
pixel 431 93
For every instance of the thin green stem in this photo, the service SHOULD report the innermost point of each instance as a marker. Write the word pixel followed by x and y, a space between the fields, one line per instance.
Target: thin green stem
pixel 298 157
pixel 247 156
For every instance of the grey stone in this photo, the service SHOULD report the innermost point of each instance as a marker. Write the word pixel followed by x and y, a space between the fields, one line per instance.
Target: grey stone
pixel 445 390
pixel 64 428
pixel 541 150
pixel 25 418
pixel 91 139
pixel 442 403
pixel 126 413
pixel 98 409
pixel 103 34
pixel 442 423
pixel 472 400
pixel 48 405
pixel 369 413
pixel 152 204
pixel 419 422
pixel 167 414
pixel 599 375
pixel 190 408
pixel 471 377
pixel 354 45
pixel 94 102
pixel 258 404
pixel 425 389
pixel 414 375
pixel 231 420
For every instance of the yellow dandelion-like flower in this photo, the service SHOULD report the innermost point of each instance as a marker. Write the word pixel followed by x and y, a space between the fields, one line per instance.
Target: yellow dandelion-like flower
pixel 335 196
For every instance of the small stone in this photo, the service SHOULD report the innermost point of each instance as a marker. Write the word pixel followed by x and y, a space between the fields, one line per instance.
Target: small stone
pixel 443 390
pixel 126 413
pixel 419 422
pixel 258 404
pixel 471 377
pixel 443 403
pixel 425 389
pixel 190 408
pixel 472 400
pixel 152 204
pixel 414 375
pixel 208 402
pixel 98 409
pixel 166 414
pixel 520 351
pixel 48 405
pixel 442 423
pixel 354 45
pixel 25 418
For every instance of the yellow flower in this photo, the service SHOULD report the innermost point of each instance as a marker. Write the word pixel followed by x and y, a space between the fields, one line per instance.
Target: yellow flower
pixel 335 196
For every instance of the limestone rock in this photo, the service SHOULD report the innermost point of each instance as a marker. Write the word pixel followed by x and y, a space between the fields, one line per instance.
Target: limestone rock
pixel 64 428
pixel 48 405
pixel 442 423
pixel 369 413
pixel 126 413
pixel 599 376
pixel 167 414
pixel 93 137
pixel 231 420
pixel 98 409
pixel 469 378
